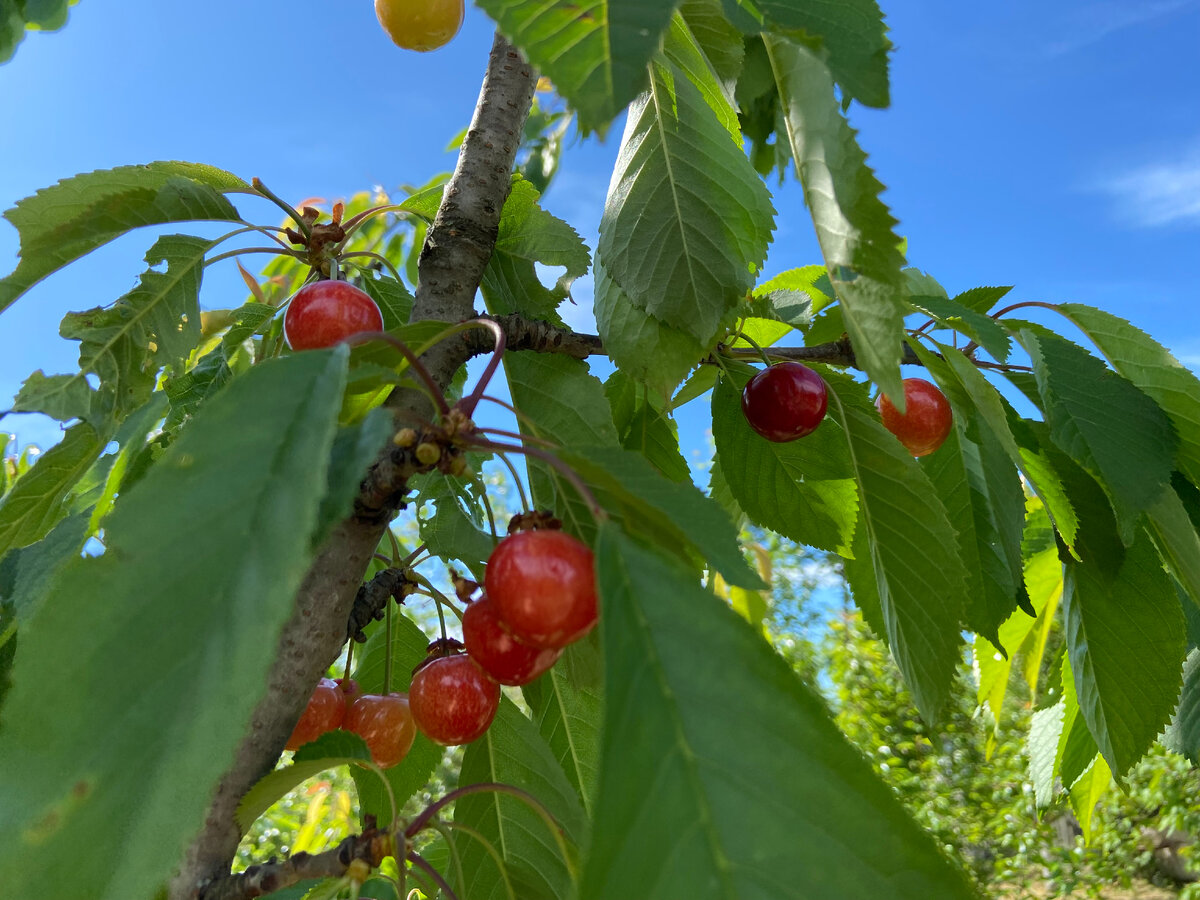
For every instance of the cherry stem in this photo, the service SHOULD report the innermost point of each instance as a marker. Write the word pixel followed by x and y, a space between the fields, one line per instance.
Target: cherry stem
pixel 491 850
pixel 525 507
pixel 438 598
pixel 487 504
pixel 232 253
pixel 1025 305
pixel 433 874
pixel 257 184
pixel 469 403
pixel 549 445
pixel 753 343
pixel 417 824
pixel 441 829
pixel 435 393
pixel 521 417
pixel 358 218
pixel 379 256
pixel 387 647
pixel 550 459
pixel 265 230
pixel 349 660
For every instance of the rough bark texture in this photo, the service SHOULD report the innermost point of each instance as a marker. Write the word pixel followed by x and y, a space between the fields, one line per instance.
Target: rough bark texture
pixel 452 262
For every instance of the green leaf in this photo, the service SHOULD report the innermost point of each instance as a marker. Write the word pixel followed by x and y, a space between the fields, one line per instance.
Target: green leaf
pixel 1116 627
pixel 987 406
pixel 981 299
pixel 59 224
pixel 1076 746
pixel 567 704
pixel 985 331
pixel 1105 423
pixel 1045 728
pixel 512 752
pixel 33 569
pixel 528 235
pixel 645 428
pixel 910 544
pixel 354 449
pixel 728 727
pixel 393 297
pixel 1177 540
pixel 330 750
pixel 719 41
pixel 194 583
pixel 794 296
pixel 131 437
pixel 1150 366
pixel 664 510
pixel 1183 735
pixel 450 532
pixel 35 503
pixel 642 347
pixel 595 52
pixel 852 38
pixel 854 227
pixel 409 644
pixel 564 403
pixel 687 219
pixel 986 508
pixel 1086 793
pixel 156 324
pixel 189 390
pixel 802 489
pixel 62 397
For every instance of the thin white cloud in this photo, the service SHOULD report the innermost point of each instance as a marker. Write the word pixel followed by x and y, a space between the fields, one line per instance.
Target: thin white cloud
pixel 1159 193
pixel 1099 20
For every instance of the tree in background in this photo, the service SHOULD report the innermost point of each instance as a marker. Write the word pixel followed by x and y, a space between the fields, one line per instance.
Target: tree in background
pixel 215 526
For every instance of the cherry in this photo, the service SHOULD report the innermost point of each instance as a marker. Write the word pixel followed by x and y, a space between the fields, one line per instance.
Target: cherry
pixel 785 401
pixel 498 653
pixel 386 724
pixel 926 420
pixel 325 711
pixel 453 700
pixel 325 313
pixel 350 689
pixel 543 586
pixel 420 24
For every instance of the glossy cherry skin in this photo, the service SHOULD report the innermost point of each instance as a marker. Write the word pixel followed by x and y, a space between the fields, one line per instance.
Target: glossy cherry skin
pixel 325 313
pixel 350 689
pixel 453 701
pixel 498 653
pixel 543 586
pixel 420 24
pixel 325 711
pixel 386 724
pixel 785 401
pixel 926 421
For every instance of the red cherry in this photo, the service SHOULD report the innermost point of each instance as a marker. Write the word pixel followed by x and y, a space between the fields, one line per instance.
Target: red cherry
pixel 926 420
pixel 325 711
pixel 498 653
pixel 453 700
pixel 386 724
pixel 325 313
pixel 785 401
pixel 350 689
pixel 543 585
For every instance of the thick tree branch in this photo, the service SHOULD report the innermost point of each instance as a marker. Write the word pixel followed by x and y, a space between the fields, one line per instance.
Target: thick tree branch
pixel 456 251
pixel 371 847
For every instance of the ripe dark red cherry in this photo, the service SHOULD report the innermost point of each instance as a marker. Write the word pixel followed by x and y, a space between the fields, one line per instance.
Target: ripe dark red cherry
pixel 453 701
pixel 927 417
pixel 785 401
pixel 543 586
pixel 325 313
pixel 325 711
pixel 386 724
pixel 498 653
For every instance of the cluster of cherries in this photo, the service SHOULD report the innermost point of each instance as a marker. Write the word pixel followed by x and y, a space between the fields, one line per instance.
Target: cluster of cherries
pixel 539 596
pixel 787 401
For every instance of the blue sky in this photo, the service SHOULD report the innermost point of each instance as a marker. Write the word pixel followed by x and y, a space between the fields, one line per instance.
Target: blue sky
pixel 1055 146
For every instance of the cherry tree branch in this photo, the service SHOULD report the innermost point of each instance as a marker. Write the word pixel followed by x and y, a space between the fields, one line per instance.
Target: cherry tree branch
pixel 456 252
pixel 371 847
